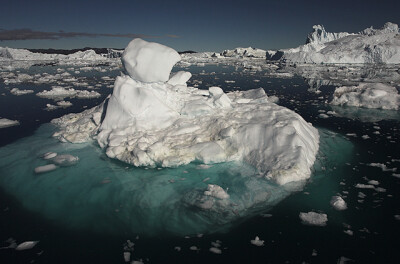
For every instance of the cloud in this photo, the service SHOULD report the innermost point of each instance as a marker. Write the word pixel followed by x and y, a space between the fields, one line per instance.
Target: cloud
pixel 27 34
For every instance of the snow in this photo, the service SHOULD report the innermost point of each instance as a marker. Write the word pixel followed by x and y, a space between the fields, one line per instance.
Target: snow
pixel 313 218
pixel 368 95
pixel 4 122
pixel 368 46
pixel 57 92
pixel 338 203
pixel 216 191
pixel 156 123
pixel 148 61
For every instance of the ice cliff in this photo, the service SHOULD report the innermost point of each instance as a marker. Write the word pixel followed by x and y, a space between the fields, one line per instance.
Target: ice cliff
pixel 368 46
pixel 154 119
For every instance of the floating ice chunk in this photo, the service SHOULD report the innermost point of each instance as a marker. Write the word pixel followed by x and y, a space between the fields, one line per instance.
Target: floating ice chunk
pixel 215 250
pixel 397 217
pixel 65 160
pixel 49 155
pixel 194 248
pixel 338 203
pixel 324 116
pixel 57 92
pixel 4 122
pixel 148 61
pixel 127 256
pixel 16 91
pixel 216 191
pixel 178 248
pixel 64 103
pixel 348 232
pixel 180 78
pixel 364 186
pixel 26 245
pixel 257 242
pixel 45 168
pixel 382 166
pixel 373 182
pixel 83 94
pixel 369 95
pixel 313 218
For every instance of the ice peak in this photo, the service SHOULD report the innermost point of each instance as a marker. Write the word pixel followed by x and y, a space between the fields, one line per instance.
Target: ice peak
pixel 319 35
pixel 387 28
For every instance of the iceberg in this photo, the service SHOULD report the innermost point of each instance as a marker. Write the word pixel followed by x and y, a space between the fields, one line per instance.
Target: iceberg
pixel 244 52
pixel 368 95
pixel 4 122
pixel 368 46
pixel 152 121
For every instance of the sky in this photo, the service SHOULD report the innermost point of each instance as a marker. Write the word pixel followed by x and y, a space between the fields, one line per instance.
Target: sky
pixel 202 25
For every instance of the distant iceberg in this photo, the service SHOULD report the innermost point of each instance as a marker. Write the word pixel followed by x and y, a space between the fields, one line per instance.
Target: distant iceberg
pixel 10 54
pixel 368 46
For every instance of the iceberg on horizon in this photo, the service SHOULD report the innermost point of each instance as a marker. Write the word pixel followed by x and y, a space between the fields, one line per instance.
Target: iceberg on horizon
pixel 368 46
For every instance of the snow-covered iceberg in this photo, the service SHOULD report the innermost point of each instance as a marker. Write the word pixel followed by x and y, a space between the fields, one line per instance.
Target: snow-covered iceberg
pixel 152 121
pixel 368 46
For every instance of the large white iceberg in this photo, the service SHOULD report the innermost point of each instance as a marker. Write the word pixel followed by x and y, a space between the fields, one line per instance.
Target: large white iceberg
pixel 166 123
pixel 368 46
pixel 368 95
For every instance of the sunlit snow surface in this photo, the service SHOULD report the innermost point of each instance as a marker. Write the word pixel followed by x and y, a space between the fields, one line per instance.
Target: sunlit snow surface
pixel 112 197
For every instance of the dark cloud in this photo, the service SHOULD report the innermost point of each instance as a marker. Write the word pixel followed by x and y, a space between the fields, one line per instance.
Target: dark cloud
pixel 26 33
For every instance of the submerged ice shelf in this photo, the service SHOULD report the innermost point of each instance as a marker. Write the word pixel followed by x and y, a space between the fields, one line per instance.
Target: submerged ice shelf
pixel 149 201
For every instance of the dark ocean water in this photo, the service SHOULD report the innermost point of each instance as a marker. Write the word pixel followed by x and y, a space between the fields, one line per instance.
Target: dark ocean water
pixel 345 158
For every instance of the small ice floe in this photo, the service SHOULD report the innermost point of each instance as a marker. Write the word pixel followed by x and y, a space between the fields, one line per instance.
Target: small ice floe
pixel 65 160
pixel 45 168
pixel 4 122
pixel 397 217
pixel 26 245
pixel 178 248
pixel 257 242
pixel 266 215
pixel 314 253
pixel 127 256
pixel 364 186
pixel 83 94
pixel 50 107
pixel 64 104
pixel 16 91
pixel 11 243
pixel 338 203
pixel 324 116
pixel 216 191
pixel 203 167
pixel 215 250
pixel 194 248
pixel 382 166
pixel 365 137
pixel 373 182
pixel 313 218
pixel 49 155
pixel 343 260
pixel 348 232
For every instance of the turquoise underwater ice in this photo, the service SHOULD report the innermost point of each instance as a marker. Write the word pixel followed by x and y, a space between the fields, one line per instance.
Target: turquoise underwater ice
pixel 108 196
